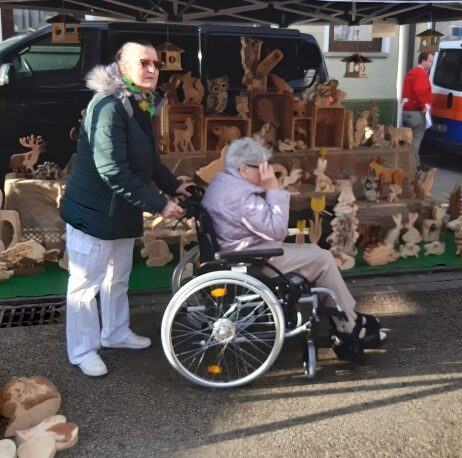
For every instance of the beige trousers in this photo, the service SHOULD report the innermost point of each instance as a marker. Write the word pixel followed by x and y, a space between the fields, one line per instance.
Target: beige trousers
pixel 318 266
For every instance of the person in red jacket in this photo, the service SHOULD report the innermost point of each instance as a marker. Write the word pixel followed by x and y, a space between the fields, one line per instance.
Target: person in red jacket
pixel 417 96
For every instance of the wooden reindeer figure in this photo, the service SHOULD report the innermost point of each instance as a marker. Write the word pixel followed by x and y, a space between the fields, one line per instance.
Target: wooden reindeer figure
pixel 182 137
pixel 24 162
pixel 387 175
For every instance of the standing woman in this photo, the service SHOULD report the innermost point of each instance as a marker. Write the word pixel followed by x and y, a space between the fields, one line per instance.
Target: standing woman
pixel 106 194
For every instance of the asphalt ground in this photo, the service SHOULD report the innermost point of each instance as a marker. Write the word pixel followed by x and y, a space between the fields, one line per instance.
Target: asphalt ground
pixel 404 400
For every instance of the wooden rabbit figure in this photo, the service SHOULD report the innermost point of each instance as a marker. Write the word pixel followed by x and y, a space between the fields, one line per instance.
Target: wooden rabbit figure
pixel 411 238
pixel 392 236
pixel 323 182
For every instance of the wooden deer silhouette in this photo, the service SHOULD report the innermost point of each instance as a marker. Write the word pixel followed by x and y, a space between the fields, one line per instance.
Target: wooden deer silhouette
pixel 24 162
pixel 182 137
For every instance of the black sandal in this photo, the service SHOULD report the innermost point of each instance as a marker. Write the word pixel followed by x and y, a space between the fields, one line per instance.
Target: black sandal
pixel 370 322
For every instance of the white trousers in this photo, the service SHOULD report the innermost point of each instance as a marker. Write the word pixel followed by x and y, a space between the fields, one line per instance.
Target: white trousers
pixel 318 266
pixel 96 266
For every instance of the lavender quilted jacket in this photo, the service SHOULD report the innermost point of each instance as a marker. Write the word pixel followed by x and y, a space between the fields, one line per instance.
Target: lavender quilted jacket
pixel 244 215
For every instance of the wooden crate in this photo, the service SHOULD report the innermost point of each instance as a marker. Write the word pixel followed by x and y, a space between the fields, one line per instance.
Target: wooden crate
pixel 213 123
pixel 282 109
pixel 175 116
pixel 301 125
pixel 328 127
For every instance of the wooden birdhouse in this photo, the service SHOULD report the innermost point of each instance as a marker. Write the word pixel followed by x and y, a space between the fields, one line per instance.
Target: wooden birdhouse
pixel 64 29
pixel 429 40
pixel 170 55
pixel 356 66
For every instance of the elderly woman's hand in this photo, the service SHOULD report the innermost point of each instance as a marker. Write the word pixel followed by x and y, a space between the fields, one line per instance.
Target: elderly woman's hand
pixel 268 179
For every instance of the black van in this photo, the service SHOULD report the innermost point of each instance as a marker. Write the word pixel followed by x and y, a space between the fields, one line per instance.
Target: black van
pixel 42 87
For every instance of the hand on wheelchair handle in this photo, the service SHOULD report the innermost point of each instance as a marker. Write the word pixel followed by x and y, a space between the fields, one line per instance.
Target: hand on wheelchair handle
pixel 171 210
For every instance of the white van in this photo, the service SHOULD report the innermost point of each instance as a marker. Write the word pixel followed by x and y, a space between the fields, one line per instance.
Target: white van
pixel 446 79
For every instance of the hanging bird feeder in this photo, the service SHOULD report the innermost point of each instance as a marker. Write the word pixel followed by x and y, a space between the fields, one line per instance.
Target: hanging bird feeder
pixel 429 40
pixel 356 66
pixel 170 55
pixel 64 29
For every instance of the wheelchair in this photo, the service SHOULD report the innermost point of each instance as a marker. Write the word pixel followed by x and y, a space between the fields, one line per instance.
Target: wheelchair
pixel 226 326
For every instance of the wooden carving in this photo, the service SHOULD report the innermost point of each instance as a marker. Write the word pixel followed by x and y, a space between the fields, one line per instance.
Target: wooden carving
pixel 226 134
pixel 265 66
pixel 207 172
pixel 336 94
pixel 431 228
pixel 30 250
pixel 299 106
pixel 7 448
pixel 386 174
pixel 193 89
pixel 182 138
pixel 280 84
pixel 12 217
pixel 323 182
pixel 427 182
pixel 217 97
pixel 25 402
pixel 24 162
pixel 250 57
pixel 65 434
pixel 380 254
pixel 392 237
pixel 434 248
pixel 411 238
pixel 394 191
pixel 455 203
pixel 156 250
pixel 170 89
pixel 242 106
pixel 45 447
pixel 287 145
pixel 360 127
pixel 399 134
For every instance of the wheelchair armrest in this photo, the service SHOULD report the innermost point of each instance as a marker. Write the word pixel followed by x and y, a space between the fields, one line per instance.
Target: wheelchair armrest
pixel 244 255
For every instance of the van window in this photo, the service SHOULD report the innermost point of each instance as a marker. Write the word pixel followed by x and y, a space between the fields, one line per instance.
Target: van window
pixel 47 63
pixel 448 70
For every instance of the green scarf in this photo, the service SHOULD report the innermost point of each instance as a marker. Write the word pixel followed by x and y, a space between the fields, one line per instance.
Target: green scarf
pixel 145 99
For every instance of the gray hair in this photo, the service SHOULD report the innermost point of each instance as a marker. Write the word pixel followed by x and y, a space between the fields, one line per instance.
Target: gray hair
pixel 127 48
pixel 245 150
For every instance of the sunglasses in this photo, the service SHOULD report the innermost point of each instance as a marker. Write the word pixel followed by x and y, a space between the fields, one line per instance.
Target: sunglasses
pixel 146 63
pixel 253 166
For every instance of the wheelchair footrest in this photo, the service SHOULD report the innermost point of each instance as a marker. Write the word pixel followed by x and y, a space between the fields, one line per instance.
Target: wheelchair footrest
pixel 331 311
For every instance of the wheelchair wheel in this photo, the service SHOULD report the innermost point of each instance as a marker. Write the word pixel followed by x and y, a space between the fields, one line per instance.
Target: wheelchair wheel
pixel 309 359
pixel 185 268
pixel 235 336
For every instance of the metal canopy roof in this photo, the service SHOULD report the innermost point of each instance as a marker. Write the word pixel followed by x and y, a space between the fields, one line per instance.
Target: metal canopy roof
pixel 282 13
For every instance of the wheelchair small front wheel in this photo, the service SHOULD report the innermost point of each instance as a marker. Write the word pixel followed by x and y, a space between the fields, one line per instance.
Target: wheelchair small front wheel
pixel 235 336
pixel 309 359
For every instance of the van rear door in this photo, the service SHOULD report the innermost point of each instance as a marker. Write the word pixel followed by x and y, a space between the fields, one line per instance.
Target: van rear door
pixel 446 77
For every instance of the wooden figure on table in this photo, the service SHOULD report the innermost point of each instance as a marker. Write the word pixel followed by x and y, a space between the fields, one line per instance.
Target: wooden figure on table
pixel 435 248
pixel 394 191
pixel 392 236
pixel 287 145
pixel 411 238
pixel 398 134
pixel 431 228
pixel 170 89
pixel 182 138
pixel 371 187
pixel 217 98
pixel 360 128
pixel 24 162
pixel 226 134
pixel 193 89
pixel 380 254
pixel 323 182
pixel 387 175
pixel 299 106
pixel 242 105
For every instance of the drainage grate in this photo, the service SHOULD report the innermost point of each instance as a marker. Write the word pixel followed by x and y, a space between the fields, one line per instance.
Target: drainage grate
pixel 31 311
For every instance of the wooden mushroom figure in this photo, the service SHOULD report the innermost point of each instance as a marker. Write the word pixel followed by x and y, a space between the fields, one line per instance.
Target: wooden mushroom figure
pixel 45 447
pixel 25 402
pixel 64 434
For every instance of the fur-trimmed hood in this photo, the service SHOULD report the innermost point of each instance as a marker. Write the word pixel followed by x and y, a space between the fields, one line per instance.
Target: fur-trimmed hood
pixel 107 80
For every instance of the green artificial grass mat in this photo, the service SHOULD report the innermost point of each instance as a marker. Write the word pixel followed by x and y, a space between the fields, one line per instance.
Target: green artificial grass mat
pixel 54 280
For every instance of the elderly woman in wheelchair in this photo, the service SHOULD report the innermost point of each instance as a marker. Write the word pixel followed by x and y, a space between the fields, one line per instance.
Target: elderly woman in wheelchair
pixel 226 327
